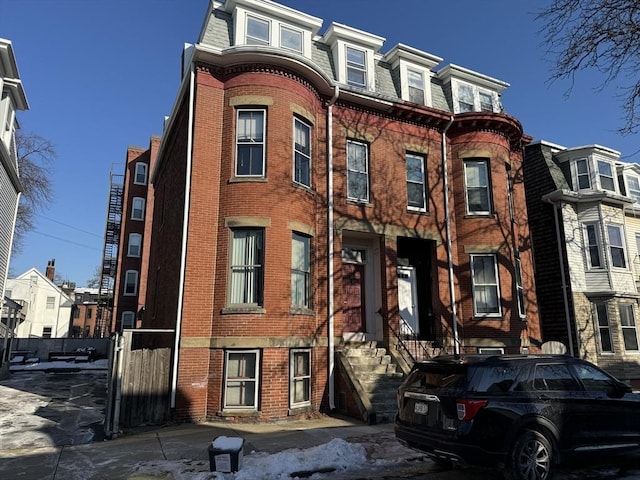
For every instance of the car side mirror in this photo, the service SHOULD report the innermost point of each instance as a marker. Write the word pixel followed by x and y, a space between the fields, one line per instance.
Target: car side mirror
pixel 618 390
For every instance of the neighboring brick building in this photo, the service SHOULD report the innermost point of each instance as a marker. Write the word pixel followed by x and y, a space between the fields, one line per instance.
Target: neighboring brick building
pixel 85 313
pixel 130 284
pixel 302 204
pixel 583 207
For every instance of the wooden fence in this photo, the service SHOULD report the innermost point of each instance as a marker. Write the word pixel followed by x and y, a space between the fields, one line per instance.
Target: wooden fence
pixel 139 380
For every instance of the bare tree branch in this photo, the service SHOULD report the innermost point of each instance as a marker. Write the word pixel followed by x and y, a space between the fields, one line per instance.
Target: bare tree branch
pixel 35 156
pixel 603 35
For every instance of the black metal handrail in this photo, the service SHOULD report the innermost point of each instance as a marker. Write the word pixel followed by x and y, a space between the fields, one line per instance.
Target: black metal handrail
pixel 408 343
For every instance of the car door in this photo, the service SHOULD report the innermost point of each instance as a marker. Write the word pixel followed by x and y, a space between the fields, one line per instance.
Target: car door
pixel 562 399
pixel 612 420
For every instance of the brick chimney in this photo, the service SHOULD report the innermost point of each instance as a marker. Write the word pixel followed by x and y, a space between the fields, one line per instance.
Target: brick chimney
pixel 51 269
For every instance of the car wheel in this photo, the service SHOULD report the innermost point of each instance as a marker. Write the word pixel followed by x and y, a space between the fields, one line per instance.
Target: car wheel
pixel 530 458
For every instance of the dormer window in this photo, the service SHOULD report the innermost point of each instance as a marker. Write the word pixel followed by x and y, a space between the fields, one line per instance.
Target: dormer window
pixel 594 174
pixel 593 168
pixel 486 102
pixel 353 54
pixel 415 79
pixel 269 24
pixel 291 39
pixel 472 91
pixel 605 175
pixel 356 67
pixel 258 31
pixel 414 68
pixel 582 173
pixel 465 98
pixel 472 99
pixel 633 187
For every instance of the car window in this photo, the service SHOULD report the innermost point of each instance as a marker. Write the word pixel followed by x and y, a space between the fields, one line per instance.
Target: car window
pixel 594 380
pixel 554 376
pixel 496 379
pixel 438 378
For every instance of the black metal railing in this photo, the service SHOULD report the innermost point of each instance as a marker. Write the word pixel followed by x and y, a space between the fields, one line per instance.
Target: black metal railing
pixel 409 345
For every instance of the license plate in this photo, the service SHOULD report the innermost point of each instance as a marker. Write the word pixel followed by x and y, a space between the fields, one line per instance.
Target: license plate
pixel 421 408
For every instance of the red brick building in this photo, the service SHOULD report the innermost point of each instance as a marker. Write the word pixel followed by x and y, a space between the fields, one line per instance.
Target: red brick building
pixel 311 193
pixel 130 285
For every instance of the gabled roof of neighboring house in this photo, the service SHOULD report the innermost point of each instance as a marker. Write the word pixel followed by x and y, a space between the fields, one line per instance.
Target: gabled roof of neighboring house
pixel 34 271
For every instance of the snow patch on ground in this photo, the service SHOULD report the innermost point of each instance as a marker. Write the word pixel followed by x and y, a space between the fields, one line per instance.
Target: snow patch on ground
pixel 326 460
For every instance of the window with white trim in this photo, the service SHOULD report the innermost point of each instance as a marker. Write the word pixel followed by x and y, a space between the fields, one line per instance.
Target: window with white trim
pixel 302 152
pixel 356 67
pixel 357 171
pixel 476 174
pixel 46 332
pixel 616 246
pixel 241 376
pixel 465 98
pixel 250 143
pixel 300 377
pixel 128 319
pixel 51 303
pixel 485 285
pixel 247 257
pixel 137 208
pixel 604 328
pixel 291 38
pixel 301 271
pixel 415 80
pixel 486 101
pixel 416 194
pixel 135 245
pixel 131 283
pixel 258 31
pixel 605 176
pixel 140 177
pixel 594 246
pixel 633 187
pixel 583 175
pixel 628 324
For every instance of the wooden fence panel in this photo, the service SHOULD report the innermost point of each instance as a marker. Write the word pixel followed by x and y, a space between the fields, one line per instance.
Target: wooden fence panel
pixel 145 396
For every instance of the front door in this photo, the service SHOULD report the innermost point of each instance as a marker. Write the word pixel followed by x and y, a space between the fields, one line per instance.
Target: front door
pixel 408 300
pixel 353 299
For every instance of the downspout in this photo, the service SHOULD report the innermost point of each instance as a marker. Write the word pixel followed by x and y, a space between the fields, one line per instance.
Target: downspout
pixel 447 221
pixel 330 250
pixel 185 226
pixel 562 277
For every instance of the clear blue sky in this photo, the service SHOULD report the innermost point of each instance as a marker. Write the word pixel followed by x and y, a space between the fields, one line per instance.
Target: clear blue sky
pixel 100 75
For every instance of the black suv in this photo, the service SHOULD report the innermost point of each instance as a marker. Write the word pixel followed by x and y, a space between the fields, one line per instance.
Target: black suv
pixel 520 413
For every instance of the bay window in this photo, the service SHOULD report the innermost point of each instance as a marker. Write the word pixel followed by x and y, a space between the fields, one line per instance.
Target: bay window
pixel 250 143
pixel 247 257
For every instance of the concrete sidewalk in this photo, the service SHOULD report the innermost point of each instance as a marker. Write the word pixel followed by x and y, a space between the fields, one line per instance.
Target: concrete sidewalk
pixel 182 451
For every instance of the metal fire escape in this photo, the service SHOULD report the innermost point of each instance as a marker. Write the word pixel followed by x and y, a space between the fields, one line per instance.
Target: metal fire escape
pixel 109 256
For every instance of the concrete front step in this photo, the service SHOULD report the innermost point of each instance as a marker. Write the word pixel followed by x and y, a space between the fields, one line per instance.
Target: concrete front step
pixel 365 352
pixel 378 376
pixel 383 384
pixel 373 369
pixel 380 359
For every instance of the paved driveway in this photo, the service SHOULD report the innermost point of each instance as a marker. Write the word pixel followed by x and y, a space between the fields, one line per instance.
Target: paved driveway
pixel 39 409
